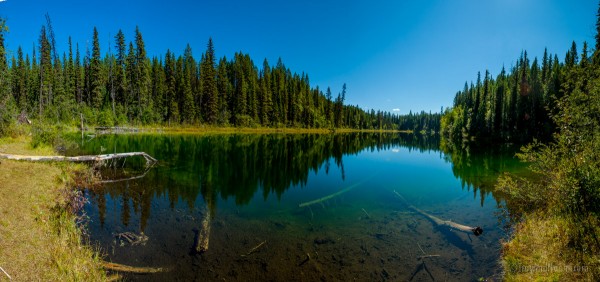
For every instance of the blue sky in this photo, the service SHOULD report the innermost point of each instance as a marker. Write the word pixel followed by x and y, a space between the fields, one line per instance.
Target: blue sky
pixel 407 55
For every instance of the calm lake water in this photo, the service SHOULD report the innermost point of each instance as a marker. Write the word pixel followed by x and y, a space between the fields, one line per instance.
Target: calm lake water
pixel 256 192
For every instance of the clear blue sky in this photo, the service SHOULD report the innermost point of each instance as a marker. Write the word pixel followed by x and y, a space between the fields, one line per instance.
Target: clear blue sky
pixel 407 55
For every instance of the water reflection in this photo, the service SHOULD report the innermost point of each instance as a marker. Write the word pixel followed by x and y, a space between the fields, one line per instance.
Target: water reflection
pixel 229 166
pixel 256 182
pixel 478 169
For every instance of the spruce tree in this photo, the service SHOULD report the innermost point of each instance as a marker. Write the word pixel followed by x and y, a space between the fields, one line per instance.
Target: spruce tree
pixel 224 92
pixel 7 107
pixel 96 82
pixel 209 85
pixel 121 57
pixel 266 100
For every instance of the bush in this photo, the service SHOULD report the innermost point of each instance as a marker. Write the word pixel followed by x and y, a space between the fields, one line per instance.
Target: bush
pixel 44 134
pixel 106 118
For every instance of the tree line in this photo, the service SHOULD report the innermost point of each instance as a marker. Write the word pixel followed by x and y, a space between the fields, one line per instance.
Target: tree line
pixel 126 86
pixel 517 105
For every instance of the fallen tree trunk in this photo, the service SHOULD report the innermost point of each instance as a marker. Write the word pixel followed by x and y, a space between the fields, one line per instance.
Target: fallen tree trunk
pixel 203 233
pixel 329 196
pixel 131 269
pixel 88 158
pixel 439 222
pixel 126 179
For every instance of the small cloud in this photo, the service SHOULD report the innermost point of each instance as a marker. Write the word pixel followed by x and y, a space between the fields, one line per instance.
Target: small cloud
pixel 395 110
pixel 2 1
pixel 396 150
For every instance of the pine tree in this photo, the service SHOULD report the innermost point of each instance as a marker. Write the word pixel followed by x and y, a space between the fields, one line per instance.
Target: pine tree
pixel 45 68
pixel 96 82
pixel 266 100
pixel 7 106
pixel 142 75
pixel 172 113
pixel 209 85
pixel 120 78
pixel 328 104
pixel 224 92
pixel 188 111
pixel 20 82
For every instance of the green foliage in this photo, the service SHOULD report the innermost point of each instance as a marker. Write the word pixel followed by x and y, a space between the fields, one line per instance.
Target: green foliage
pixel 105 118
pixel 179 90
pixel 513 107
pixel 567 186
pixel 47 135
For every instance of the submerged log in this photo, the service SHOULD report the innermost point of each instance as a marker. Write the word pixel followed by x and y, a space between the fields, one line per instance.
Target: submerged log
pixel 320 200
pixel 253 250
pixel 439 222
pixel 127 179
pixel 88 158
pixel 203 235
pixel 131 269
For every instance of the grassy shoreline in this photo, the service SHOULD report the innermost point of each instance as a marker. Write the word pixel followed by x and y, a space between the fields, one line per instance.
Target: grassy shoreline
pixel 39 238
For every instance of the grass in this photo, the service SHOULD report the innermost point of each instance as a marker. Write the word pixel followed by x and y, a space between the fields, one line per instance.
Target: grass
pixel 541 249
pixel 39 239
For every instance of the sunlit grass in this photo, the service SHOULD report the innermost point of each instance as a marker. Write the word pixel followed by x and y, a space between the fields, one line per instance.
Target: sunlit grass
pixel 542 250
pixel 39 240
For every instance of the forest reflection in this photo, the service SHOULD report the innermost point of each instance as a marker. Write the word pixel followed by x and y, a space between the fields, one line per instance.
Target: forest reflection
pixel 238 166
pixel 478 169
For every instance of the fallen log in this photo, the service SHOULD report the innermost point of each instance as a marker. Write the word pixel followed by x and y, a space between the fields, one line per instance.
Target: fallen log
pixel 126 179
pixel 88 158
pixel 439 222
pixel 131 269
pixel 253 250
pixel 329 196
pixel 203 235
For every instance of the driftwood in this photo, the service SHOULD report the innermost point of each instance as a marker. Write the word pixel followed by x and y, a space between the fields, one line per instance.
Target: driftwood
pixel 114 277
pixel 439 222
pixel 118 128
pixel 88 158
pixel 132 238
pixel 253 250
pixel 203 235
pixel 305 260
pixel 329 196
pixel 127 179
pixel 131 269
pixel 368 216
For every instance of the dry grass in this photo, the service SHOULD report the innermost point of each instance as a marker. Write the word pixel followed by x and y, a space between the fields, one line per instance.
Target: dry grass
pixel 540 251
pixel 39 240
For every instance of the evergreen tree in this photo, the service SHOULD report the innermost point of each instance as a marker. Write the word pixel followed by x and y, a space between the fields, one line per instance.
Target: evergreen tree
pixel 7 107
pixel 172 112
pixel 96 81
pixel 120 80
pixel 266 102
pixel 45 71
pixel 142 75
pixel 224 92
pixel 209 85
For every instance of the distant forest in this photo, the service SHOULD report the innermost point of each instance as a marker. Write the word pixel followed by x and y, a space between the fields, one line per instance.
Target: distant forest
pixel 517 106
pixel 125 86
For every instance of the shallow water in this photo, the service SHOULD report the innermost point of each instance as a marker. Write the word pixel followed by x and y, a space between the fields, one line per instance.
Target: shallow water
pixel 252 188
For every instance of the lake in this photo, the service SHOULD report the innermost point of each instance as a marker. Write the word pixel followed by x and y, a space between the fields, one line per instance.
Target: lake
pixel 299 207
